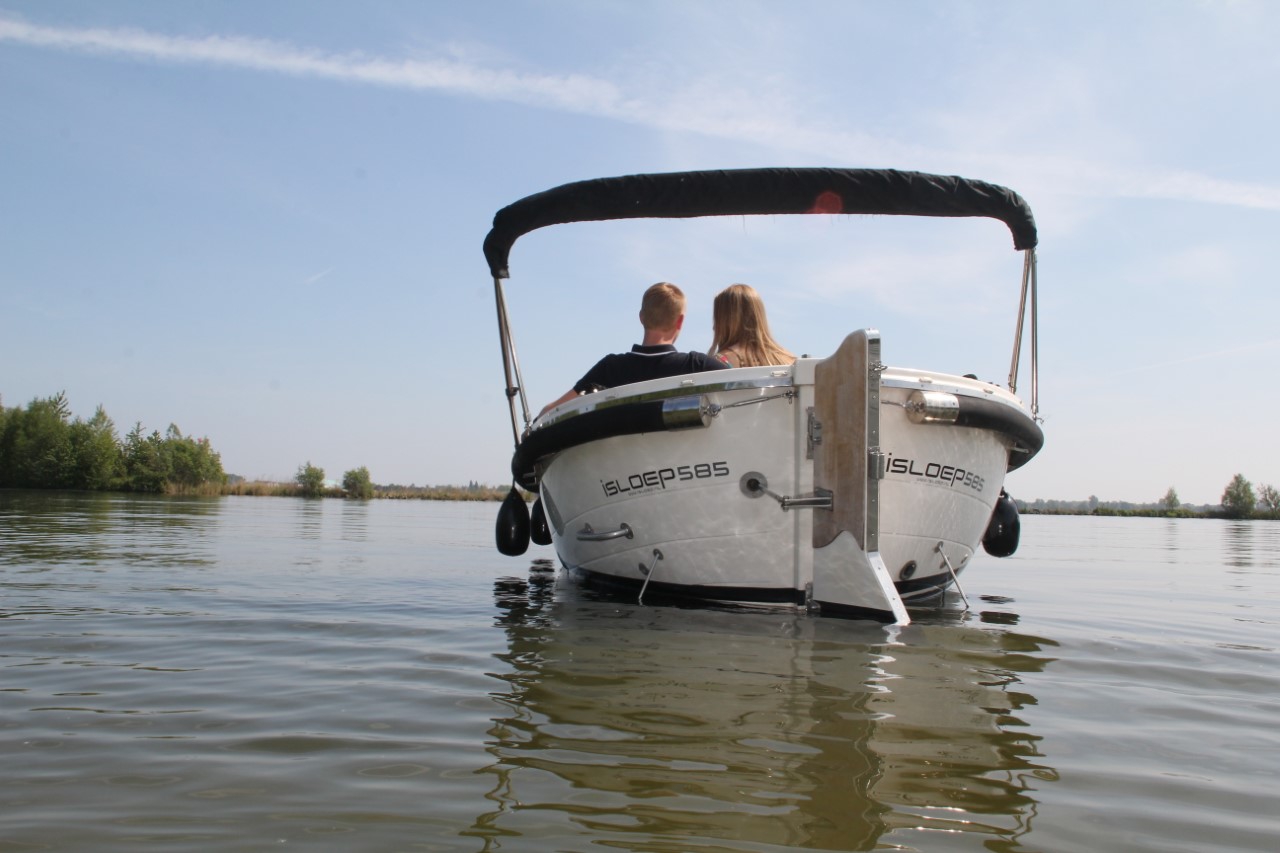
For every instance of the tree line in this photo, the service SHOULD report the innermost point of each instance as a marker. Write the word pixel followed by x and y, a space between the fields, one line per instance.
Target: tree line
pixel 1239 501
pixel 356 483
pixel 43 447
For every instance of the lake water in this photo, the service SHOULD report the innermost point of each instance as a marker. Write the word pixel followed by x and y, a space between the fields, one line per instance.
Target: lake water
pixel 270 673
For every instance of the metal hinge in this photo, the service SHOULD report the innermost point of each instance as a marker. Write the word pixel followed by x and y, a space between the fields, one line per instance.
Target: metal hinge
pixel 814 434
pixel 875 464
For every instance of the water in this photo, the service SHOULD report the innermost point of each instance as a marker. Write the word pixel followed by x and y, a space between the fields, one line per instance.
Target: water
pixel 258 673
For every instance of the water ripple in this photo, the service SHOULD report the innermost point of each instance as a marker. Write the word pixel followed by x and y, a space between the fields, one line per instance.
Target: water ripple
pixel 243 673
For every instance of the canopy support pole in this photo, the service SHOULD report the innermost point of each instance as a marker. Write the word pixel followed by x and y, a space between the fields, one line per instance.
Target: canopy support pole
pixel 510 363
pixel 1035 342
pixel 1028 287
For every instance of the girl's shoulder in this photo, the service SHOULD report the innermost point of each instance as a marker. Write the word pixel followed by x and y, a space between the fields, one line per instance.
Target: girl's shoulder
pixel 730 357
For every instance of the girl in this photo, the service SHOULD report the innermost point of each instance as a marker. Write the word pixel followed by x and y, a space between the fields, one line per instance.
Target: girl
pixel 740 332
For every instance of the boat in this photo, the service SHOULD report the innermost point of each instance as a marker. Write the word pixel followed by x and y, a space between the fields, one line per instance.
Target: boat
pixel 842 485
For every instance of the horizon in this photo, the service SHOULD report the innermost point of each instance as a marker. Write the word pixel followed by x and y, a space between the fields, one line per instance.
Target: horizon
pixel 264 223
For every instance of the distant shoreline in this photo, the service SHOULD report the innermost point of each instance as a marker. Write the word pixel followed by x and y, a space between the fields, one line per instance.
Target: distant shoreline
pixel 259 488
pixel 293 490
pixel 1108 512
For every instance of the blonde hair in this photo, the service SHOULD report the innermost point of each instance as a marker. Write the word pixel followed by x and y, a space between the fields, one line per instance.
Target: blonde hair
pixel 661 307
pixel 739 325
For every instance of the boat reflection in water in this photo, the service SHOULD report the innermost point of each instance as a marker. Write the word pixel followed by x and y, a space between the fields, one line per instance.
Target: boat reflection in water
pixel 688 729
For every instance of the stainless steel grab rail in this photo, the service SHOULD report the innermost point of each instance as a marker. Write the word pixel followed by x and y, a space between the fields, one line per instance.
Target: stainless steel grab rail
pixel 587 534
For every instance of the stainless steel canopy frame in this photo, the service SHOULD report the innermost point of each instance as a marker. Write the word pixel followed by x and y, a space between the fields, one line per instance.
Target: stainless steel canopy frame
pixel 767 191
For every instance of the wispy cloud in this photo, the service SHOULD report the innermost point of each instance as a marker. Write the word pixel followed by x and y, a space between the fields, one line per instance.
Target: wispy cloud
pixel 1222 354
pixel 708 110
pixel 315 279
pixel 571 92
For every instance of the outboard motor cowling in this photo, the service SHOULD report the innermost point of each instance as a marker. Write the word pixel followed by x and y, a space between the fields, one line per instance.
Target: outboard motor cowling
pixel 1001 538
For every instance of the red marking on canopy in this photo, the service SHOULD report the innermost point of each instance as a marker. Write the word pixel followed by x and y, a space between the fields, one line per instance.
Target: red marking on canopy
pixel 827 202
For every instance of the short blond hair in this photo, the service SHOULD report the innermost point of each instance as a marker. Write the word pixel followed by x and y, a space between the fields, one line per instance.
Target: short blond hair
pixel 661 307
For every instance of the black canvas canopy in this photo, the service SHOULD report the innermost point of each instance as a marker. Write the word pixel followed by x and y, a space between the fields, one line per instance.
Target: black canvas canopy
pixel 743 192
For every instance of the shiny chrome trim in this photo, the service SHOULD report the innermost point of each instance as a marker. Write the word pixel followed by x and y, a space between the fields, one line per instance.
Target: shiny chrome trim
pixel 686 412
pixel 587 534
pixel 820 499
pixel 708 388
pixel 932 407
pixel 668 393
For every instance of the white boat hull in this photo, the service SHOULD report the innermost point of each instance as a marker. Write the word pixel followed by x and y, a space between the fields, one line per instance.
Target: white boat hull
pixel 711 511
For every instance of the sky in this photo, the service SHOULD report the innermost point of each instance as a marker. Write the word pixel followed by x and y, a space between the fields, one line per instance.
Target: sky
pixel 262 222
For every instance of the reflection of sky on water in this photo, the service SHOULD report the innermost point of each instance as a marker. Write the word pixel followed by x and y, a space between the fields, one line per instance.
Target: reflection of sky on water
pixel 692 727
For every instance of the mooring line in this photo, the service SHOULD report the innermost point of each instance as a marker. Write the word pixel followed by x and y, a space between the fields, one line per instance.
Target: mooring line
pixel 954 577
pixel 648 573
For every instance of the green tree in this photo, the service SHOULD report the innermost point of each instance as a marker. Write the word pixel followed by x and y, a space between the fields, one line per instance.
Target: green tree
pixel 1170 500
pixel 192 462
pixel 98 463
pixel 1269 501
pixel 35 449
pixel 1238 500
pixel 42 448
pixel 147 465
pixel 311 480
pixel 356 483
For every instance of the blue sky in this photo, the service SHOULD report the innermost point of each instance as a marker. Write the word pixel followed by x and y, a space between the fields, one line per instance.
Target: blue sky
pixel 262 221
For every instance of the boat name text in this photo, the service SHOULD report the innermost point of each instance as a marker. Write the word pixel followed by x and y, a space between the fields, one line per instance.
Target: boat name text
pixel 659 477
pixel 948 474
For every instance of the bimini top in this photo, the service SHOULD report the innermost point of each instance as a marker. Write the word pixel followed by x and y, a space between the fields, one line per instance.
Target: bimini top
pixel 741 192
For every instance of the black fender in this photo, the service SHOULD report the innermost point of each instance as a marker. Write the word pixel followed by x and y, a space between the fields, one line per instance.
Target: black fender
pixel 539 532
pixel 1004 529
pixel 512 529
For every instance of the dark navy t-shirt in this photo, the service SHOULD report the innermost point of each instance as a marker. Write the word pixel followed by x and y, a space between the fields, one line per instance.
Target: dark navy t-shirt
pixel 653 362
